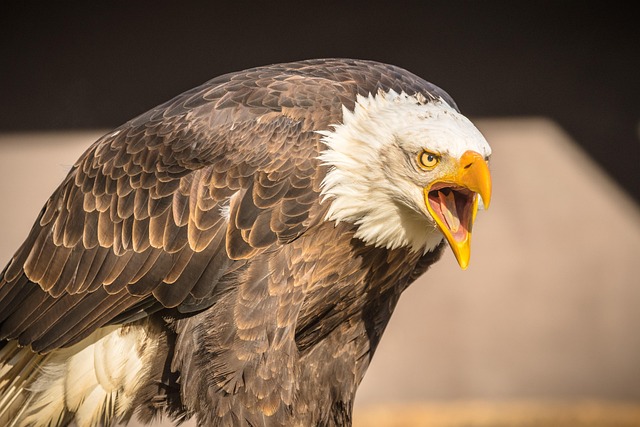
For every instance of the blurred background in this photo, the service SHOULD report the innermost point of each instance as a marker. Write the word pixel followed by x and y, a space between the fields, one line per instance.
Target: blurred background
pixel 543 328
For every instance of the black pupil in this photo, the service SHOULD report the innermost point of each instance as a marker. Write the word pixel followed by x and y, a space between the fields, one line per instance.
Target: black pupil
pixel 430 158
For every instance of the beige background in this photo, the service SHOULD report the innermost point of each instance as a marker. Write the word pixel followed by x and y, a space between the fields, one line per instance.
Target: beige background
pixel 549 309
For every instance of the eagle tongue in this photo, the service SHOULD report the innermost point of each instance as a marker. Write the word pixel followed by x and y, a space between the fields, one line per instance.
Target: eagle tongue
pixel 449 210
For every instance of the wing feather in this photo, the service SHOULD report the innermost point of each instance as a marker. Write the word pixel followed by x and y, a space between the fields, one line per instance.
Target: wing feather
pixel 143 236
pixel 97 268
pixel 37 262
pixel 34 301
pixel 88 313
pixel 54 269
pixel 135 263
pixel 77 268
pixel 152 274
pixel 11 296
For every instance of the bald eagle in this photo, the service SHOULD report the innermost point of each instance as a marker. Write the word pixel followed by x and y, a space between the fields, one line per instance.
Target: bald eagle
pixel 234 254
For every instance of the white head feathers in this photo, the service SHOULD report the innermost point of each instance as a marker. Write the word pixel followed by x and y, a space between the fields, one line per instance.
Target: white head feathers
pixel 373 181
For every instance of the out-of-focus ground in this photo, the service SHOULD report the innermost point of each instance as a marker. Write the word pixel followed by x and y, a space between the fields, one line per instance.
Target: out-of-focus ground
pixel 542 329
pixel 483 413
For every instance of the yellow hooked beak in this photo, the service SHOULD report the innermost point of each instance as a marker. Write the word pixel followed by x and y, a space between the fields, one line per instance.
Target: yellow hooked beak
pixel 452 201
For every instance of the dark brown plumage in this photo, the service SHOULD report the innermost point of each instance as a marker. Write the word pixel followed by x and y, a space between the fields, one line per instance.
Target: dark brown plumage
pixel 201 221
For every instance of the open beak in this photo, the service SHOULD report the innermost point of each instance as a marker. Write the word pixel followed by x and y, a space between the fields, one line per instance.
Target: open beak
pixel 453 202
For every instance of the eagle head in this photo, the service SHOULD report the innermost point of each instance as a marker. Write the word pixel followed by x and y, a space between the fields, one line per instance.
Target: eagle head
pixel 408 171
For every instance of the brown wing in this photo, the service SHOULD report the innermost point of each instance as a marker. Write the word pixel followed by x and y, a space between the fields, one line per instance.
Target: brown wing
pixel 160 212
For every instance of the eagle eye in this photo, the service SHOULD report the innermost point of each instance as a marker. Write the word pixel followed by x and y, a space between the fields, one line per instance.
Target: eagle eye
pixel 427 160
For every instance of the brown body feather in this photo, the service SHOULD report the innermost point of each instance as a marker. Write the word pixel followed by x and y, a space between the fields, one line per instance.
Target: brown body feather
pixel 204 216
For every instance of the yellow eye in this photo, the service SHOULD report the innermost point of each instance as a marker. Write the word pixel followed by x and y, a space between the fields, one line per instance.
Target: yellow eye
pixel 427 160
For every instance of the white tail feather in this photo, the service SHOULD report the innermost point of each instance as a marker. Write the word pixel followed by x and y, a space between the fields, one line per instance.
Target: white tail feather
pixel 92 382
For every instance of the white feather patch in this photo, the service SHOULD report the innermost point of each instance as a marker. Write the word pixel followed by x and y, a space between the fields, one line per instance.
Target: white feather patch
pixel 225 208
pixel 95 380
